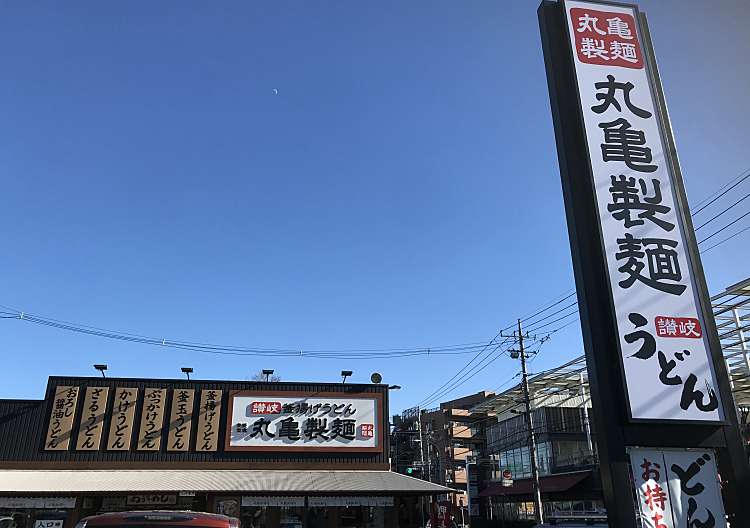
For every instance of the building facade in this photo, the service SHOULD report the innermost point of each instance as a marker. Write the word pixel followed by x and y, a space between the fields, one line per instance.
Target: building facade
pixel 436 444
pixel 566 460
pixel 273 454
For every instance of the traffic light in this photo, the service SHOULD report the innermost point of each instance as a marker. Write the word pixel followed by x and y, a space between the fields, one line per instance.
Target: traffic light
pixel 410 471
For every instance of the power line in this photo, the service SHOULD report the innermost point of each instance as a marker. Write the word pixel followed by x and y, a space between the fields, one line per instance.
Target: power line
pixel 449 387
pixel 361 353
pixel 553 321
pixel 486 362
pixel 489 344
pixel 726 239
pixel 722 212
pixel 523 319
pixel 723 228
pixel 731 184
pixel 532 323
pixel 535 313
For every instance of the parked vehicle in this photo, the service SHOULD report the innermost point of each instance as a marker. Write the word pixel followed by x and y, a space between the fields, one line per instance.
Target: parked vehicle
pixel 159 519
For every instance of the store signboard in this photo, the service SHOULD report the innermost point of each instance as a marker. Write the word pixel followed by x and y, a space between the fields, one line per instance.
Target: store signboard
pixel 92 420
pixel 285 421
pixel 62 412
pixel 665 355
pixel 180 420
pixel 677 487
pixel 152 419
pixel 209 412
pixel 280 502
pixel 121 421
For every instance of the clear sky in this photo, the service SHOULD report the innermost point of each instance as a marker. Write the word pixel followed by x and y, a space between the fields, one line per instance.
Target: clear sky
pixel 400 190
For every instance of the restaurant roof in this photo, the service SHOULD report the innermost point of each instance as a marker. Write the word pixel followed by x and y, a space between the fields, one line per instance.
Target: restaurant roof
pixel 24 481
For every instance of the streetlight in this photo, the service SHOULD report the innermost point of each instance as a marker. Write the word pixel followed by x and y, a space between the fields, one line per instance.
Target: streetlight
pixel 394 387
pixel 187 371
pixel 101 368
pixel 267 373
pixel 345 374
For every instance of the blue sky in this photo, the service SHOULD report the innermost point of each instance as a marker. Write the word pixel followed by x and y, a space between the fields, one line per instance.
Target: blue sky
pixel 400 190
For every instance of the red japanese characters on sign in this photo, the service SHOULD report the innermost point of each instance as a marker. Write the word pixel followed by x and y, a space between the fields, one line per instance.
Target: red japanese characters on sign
pixel 654 495
pixel 261 407
pixel 678 327
pixel 606 38
pixel 367 431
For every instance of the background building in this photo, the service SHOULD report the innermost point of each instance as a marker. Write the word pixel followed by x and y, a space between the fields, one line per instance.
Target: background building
pixel 435 444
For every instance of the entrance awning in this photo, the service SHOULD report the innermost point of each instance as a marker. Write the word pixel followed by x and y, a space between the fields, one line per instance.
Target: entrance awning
pixel 23 481
pixel 548 484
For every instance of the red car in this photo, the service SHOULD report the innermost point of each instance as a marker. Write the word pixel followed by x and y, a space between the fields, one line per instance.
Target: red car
pixel 159 519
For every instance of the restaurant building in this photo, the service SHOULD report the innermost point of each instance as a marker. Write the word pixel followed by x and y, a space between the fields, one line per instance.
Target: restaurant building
pixel 273 454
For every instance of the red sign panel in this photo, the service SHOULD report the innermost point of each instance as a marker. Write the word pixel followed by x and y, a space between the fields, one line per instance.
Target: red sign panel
pixel 606 38
pixel 678 327
pixel 367 430
pixel 264 407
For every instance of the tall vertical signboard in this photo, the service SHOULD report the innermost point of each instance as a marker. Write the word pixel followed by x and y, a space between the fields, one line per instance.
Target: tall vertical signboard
pixel 664 353
pixel 657 375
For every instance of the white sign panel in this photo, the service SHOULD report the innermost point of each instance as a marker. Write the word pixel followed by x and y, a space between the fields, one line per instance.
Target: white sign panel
pixel 319 502
pixel 263 421
pixel 282 502
pixel 677 487
pixel 154 499
pixel 665 352
pixel 52 503
pixel 49 523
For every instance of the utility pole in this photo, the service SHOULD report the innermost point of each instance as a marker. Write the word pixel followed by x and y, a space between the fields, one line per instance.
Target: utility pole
pixel 469 461
pixel 539 515
pixel 421 456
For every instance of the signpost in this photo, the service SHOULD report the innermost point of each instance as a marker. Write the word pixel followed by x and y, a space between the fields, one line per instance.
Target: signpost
pixel 507 478
pixel 655 364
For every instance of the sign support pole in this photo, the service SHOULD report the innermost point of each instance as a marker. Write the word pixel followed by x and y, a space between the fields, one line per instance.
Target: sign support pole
pixel 590 273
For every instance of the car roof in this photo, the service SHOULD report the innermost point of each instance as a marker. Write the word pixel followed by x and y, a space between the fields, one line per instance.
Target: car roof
pixel 156 517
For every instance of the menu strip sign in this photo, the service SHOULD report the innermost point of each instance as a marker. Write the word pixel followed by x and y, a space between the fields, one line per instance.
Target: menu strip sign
pixel 181 420
pixel 208 420
pixel 665 355
pixel 61 417
pixel 121 422
pixel 92 420
pixel 152 418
